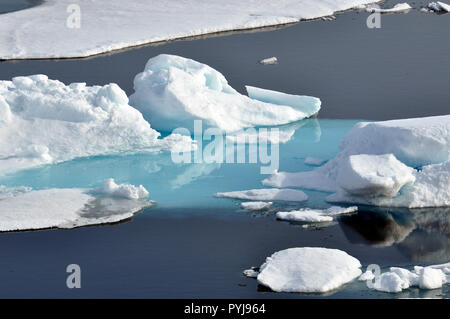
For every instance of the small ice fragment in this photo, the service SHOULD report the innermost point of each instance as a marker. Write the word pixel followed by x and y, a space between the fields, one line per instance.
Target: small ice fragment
pixel 337 210
pixel 267 194
pixel 110 188
pixel 368 275
pixel 305 215
pixel 272 60
pixel 430 278
pixel 389 282
pixel 251 273
pixel 314 161
pixel 255 205
pixel 439 6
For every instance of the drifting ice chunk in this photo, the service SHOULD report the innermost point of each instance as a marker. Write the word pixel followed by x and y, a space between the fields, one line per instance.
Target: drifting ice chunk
pixel 398 8
pixel 431 278
pixel 309 270
pixel 315 215
pixel 398 279
pixel 305 215
pixel 439 6
pixel 174 91
pixel 251 273
pixel 389 282
pixel 367 276
pixel 64 208
pixel 314 161
pixel 45 121
pixel 256 205
pixel 269 194
pixel 373 175
pixel 272 60
pixel 110 188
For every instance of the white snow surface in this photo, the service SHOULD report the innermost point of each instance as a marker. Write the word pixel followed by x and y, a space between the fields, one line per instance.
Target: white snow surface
pixel 397 279
pixel 48 30
pixel 45 121
pixel 309 215
pixel 256 205
pixel 398 8
pixel 110 188
pixel 173 91
pixel 64 208
pixel 308 270
pixel 267 194
pixel 375 165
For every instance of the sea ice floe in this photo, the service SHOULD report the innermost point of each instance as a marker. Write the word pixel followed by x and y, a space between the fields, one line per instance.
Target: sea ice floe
pixel 251 273
pixel 439 6
pixel 174 91
pixel 308 270
pixel 398 8
pixel 402 163
pixel 65 208
pixel 47 121
pixel 309 215
pixel 304 215
pixel 272 60
pixel 314 161
pixel 99 26
pixel 256 205
pixel 267 194
pixel 397 279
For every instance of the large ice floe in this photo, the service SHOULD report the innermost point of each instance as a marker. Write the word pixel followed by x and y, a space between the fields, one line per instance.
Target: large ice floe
pixel 27 209
pixel 174 91
pixel 402 163
pixel 308 270
pixel 45 121
pixel 98 26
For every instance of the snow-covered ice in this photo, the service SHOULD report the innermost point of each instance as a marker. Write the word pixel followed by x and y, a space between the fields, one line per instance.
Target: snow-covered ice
pixel 308 270
pixel 314 161
pixel 267 194
pixel 256 205
pixel 110 188
pixel 267 61
pixel 398 279
pixel 402 163
pixel 304 215
pixel 251 273
pixel 398 8
pixel 439 6
pixel 45 121
pixel 309 215
pixel 373 175
pixel 49 30
pixel 65 208
pixel 174 91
